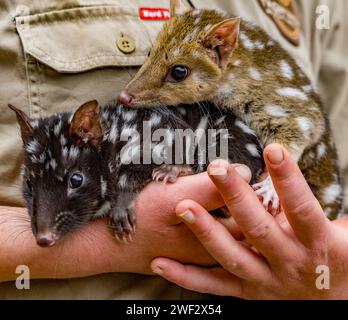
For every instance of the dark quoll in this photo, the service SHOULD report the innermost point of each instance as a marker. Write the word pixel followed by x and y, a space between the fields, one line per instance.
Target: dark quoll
pixel 91 163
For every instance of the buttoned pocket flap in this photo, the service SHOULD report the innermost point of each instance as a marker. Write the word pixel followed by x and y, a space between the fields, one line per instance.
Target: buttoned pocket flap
pixel 81 39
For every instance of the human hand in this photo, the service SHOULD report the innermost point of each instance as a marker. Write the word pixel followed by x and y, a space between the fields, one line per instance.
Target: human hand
pixel 279 259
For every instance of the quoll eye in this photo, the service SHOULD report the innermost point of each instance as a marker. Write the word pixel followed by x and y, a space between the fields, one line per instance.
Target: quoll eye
pixel 76 180
pixel 179 73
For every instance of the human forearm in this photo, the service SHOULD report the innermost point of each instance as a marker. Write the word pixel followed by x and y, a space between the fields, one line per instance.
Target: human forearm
pixel 91 250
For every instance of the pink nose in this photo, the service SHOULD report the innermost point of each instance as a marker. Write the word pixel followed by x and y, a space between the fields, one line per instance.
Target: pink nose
pixel 46 239
pixel 125 98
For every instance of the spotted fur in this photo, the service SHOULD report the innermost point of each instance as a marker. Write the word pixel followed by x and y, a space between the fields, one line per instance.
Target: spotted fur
pixel 52 154
pixel 250 75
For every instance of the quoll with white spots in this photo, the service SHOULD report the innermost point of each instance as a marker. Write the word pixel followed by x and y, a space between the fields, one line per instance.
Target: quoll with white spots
pixel 241 69
pixel 79 166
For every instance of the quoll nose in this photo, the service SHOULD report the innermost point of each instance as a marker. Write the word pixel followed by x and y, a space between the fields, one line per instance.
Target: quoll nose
pixel 46 239
pixel 125 98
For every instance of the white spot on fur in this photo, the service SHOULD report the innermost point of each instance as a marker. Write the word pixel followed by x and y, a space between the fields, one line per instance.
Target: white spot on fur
pixel 259 45
pixel 104 209
pixel 308 88
pixel 244 127
pixel 122 181
pixel 321 149
pixel 65 152
pixel 331 193
pixel 251 25
pixel 231 76
pixel 33 146
pixel 105 115
pixel 34 159
pixel 129 115
pixel 252 150
pixel 255 74
pixel 42 157
pixel 176 52
pixel 57 128
pixel 276 111
pixel 292 93
pixel 246 41
pixel 128 131
pixel 225 89
pixel 194 33
pixel 237 63
pixel 103 186
pixel 113 132
pixel 294 146
pixel 74 152
pixel 270 43
pixel 197 20
pixel 305 125
pixel 34 123
pixel 220 120
pixel 62 140
pixel 53 164
pixel 207 27
pixel 202 124
pixel 328 211
pixel 182 111
pixel 286 69
pixel 155 119
pixel 195 54
pixel 187 38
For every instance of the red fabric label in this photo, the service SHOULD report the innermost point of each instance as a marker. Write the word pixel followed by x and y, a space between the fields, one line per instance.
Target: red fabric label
pixel 154 14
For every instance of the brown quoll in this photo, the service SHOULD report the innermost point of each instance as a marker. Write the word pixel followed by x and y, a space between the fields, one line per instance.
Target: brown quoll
pixel 206 55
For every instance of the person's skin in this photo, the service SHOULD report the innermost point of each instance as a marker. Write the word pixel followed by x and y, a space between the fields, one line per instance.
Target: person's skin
pixel 278 257
pixel 94 250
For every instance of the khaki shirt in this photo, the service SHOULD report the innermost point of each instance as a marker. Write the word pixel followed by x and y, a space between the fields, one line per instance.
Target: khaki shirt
pixel 55 55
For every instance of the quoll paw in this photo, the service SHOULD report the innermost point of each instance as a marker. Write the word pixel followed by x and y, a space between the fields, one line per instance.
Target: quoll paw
pixel 123 222
pixel 265 191
pixel 170 173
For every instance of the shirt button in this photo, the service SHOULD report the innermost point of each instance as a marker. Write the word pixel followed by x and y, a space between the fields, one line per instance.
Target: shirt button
pixel 126 44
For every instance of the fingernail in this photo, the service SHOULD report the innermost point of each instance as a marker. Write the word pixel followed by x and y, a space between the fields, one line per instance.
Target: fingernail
pixel 157 270
pixel 243 171
pixel 275 156
pixel 188 216
pixel 218 171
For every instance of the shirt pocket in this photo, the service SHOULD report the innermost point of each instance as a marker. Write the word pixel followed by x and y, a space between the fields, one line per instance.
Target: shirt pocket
pixel 74 55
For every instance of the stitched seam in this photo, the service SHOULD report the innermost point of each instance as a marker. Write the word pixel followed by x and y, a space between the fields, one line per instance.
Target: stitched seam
pixel 84 60
pixel 90 12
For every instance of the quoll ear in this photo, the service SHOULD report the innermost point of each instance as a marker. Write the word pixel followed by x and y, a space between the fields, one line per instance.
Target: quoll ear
pixel 24 123
pixel 86 125
pixel 223 37
pixel 178 7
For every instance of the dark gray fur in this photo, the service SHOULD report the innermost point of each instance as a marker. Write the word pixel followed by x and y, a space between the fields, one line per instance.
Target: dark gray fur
pixel 51 156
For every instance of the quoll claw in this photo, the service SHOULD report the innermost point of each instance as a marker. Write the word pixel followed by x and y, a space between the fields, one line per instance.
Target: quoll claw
pixel 123 223
pixel 170 173
pixel 266 191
